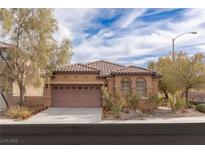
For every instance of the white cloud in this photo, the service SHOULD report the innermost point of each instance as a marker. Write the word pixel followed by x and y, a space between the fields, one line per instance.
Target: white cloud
pixel 75 20
pixel 130 17
pixel 130 37
pixel 63 32
pixel 144 60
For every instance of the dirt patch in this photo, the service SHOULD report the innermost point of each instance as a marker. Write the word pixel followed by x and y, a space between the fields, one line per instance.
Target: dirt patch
pixel 129 114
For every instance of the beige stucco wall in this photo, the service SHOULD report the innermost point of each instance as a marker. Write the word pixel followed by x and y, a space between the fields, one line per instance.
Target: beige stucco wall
pixel 152 84
pixel 8 95
pixel 76 78
pixel 33 96
pixel 71 79
pixel 42 95
pixel 2 103
pixel 155 86
pixel 111 84
pixel 30 90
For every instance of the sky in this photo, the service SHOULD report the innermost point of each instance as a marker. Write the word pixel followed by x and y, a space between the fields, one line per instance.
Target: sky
pixel 130 36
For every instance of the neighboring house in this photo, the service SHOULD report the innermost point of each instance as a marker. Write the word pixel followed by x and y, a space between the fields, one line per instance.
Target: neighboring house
pixel 197 97
pixel 79 85
pixel 3 48
pixel 2 102
pixel 33 95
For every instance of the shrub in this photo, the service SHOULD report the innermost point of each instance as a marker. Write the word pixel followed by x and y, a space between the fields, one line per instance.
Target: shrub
pixel 23 112
pixel 200 108
pixel 133 101
pixel 155 101
pixel 171 103
pixel 118 102
pixel 18 112
pixel 149 105
pixel 180 103
pixel 146 107
pixel 107 98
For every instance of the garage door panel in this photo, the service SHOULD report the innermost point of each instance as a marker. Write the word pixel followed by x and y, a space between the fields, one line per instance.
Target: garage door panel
pixel 76 96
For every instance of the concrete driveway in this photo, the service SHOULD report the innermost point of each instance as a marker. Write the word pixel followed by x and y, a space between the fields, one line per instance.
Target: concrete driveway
pixel 67 115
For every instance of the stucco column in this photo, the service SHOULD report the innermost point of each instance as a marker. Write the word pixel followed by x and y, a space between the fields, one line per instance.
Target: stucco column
pixel 133 85
pixel 149 90
pixel 47 94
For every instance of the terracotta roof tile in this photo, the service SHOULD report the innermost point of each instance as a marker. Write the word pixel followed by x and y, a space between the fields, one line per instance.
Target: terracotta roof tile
pixel 105 67
pixel 133 70
pixel 77 68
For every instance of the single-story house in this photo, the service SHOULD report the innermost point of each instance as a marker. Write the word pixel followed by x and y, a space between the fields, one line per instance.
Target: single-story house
pixel 79 85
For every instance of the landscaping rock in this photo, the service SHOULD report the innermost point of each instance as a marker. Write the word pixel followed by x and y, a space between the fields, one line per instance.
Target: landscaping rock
pixel 126 110
pixel 163 109
pixel 138 112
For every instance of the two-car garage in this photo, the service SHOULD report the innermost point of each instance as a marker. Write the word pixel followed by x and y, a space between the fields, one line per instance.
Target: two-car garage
pixel 68 95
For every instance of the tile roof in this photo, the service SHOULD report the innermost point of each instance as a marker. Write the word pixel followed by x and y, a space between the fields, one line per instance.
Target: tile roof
pixel 105 67
pixel 4 45
pixel 134 70
pixel 77 68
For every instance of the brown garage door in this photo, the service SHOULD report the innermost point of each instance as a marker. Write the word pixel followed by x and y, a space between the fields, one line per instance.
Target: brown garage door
pixel 76 96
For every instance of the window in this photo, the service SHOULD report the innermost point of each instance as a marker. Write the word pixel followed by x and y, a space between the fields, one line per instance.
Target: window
pixel 126 86
pixel 141 86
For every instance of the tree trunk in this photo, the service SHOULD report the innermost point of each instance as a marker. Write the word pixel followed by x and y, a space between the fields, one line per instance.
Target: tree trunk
pixel 173 102
pixel 22 91
pixel 187 96
pixel 5 100
pixel 166 95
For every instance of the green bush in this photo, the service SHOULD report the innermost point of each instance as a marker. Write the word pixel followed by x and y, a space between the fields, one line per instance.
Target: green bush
pixel 200 108
pixel 118 102
pixel 107 98
pixel 154 101
pixel 114 102
pixel 180 103
pixel 133 101
pixel 149 105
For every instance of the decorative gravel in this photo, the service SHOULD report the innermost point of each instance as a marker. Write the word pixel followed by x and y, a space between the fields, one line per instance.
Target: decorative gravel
pixel 164 113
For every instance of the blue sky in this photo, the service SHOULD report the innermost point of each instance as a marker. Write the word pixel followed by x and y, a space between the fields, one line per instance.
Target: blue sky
pixel 130 36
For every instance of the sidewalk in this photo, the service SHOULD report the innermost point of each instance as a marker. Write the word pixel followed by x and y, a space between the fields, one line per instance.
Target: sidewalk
pixel 200 119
